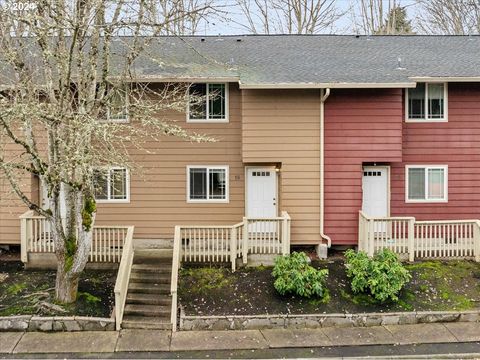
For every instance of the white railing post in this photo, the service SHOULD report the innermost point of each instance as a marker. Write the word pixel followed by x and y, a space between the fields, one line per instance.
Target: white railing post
pixel 23 240
pixel 285 233
pixel 233 246
pixel 411 240
pixel 245 240
pixel 174 281
pixel 371 237
pixel 476 240
pixel 289 231
pixel 123 277
pixel 360 231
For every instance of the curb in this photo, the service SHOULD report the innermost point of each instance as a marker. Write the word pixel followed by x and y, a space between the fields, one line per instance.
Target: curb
pixel 258 322
pixel 55 323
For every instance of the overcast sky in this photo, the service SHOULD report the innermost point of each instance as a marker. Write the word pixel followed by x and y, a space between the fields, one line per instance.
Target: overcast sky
pixel 231 26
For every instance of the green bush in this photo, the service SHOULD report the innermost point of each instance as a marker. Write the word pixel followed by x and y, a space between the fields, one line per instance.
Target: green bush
pixel 293 275
pixel 383 276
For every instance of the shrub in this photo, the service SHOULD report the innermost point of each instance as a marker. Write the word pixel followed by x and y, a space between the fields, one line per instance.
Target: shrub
pixel 383 276
pixel 293 275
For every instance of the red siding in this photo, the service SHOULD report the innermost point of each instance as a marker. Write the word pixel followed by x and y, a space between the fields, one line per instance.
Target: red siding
pixel 360 126
pixel 455 143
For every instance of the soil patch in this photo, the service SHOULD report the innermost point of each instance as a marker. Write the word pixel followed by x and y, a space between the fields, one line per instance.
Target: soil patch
pixel 25 292
pixel 435 286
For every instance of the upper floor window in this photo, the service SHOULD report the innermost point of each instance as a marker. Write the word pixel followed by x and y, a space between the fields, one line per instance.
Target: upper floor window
pixel 426 183
pixel 117 110
pixel 208 103
pixel 111 184
pixel 427 102
pixel 207 183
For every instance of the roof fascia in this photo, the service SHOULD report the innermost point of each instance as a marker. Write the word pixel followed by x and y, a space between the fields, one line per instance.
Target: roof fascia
pixel 328 85
pixel 445 78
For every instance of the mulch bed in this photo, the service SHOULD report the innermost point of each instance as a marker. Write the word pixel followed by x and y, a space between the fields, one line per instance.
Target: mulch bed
pixel 25 292
pixel 435 285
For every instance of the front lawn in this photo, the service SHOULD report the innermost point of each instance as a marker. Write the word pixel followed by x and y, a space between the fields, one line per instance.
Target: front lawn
pixel 435 285
pixel 25 292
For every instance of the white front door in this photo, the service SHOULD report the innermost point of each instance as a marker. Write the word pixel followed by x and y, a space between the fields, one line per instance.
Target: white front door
pixel 375 191
pixel 261 192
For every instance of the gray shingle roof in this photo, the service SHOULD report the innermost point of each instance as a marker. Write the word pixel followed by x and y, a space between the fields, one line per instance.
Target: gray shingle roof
pixel 312 60
pixel 297 60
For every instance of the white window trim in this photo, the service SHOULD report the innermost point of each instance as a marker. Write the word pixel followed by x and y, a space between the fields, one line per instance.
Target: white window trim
pixel 207 200
pixel 115 201
pixel 427 167
pixel 121 120
pixel 207 119
pixel 426 119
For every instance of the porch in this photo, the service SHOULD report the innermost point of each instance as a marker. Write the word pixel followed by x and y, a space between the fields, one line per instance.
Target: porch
pixel 412 239
pixel 144 289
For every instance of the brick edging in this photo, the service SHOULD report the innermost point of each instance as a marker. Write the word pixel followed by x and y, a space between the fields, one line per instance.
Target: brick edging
pixel 55 323
pixel 246 322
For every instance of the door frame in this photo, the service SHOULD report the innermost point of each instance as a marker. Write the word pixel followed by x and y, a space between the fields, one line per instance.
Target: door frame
pixel 388 183
pixel 272 168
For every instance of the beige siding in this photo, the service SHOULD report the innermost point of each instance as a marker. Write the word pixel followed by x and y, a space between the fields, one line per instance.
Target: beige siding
pixel 158 194
pixel 10 206
pixel 282 127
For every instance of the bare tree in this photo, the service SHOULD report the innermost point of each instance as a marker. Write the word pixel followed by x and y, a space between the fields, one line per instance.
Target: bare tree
pixel 288 16
pixel 452 17
pixel 185 17
pixel 64 72
pixel 380 17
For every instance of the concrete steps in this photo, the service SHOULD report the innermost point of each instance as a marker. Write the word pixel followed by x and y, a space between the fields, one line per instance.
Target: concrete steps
pixel 148 299
pixel 143 322
pixel 148 303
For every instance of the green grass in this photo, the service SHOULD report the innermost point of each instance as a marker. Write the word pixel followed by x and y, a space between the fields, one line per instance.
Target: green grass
pixel 445 278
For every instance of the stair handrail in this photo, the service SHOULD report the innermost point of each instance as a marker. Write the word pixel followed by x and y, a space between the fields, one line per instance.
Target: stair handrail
pixel 123 277
pixel 176 261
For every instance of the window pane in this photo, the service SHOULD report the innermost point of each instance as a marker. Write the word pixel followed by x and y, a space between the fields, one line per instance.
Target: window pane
pixel 218 184
pixel 436 182
pixel 435 101
pixel 100 184
pixel 198 102
pixel 216 98
pixel 118 184
pixel 198 184
pixel 416 102
pixel 118 105
pixel 416 184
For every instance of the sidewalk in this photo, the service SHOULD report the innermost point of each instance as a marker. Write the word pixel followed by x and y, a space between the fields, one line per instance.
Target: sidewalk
pixel 162 341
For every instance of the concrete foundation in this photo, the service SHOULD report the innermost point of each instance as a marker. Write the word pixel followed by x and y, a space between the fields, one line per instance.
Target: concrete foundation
pixel 49 261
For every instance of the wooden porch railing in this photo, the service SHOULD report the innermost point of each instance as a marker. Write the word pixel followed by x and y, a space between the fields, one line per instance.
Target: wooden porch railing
pixel 226 243
pixel 420 239
pixel 35 237
pixel 123 277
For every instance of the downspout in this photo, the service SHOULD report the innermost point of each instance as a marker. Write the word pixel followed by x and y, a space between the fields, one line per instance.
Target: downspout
pixel 324 94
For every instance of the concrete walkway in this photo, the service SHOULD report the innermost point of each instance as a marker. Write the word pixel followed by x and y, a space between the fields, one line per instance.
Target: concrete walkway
pixel 162 341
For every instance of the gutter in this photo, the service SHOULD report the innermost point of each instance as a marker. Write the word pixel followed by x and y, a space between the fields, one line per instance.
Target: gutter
pixel 324 94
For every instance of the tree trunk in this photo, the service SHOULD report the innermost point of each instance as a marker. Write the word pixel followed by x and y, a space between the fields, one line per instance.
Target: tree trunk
pixel 66 285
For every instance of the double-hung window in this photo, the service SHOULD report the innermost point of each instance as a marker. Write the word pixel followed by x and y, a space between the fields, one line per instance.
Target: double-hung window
pixel 111 184
pixel 426 183
pixel 117 110
pixel 207 183
pixel 208 103
pixel 427 102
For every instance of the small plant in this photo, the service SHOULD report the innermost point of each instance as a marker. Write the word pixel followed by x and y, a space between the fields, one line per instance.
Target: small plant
pixel 293 275
pixel 383 276
pixel 89 298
